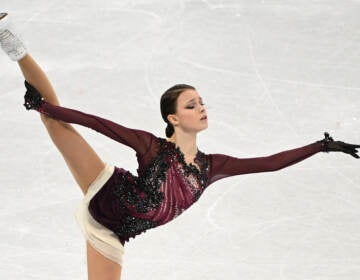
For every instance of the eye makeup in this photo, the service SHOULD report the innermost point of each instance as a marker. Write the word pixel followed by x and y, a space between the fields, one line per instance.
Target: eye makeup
pixel 192 103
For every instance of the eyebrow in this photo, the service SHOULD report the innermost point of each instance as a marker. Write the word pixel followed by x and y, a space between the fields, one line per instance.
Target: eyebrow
pixel 193 99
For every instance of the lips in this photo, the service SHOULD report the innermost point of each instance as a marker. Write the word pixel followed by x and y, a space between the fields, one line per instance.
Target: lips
pixel 204 118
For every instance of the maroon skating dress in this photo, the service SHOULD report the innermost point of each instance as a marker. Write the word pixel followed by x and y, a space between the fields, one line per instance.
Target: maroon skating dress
pixel 165 185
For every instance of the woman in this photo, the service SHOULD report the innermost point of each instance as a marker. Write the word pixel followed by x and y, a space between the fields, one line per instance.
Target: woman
pixel 172 173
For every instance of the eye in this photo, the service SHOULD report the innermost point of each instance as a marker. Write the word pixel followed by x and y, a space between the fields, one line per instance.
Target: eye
pixel 192 106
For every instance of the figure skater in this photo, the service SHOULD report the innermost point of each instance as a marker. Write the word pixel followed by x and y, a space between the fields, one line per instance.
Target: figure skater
pixel 172 174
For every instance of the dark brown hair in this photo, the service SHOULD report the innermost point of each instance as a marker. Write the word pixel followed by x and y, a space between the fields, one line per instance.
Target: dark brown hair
pixel 168 103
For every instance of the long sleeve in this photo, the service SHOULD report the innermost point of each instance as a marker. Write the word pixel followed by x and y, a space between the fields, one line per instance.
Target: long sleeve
pixel 138 140
pixel 222 166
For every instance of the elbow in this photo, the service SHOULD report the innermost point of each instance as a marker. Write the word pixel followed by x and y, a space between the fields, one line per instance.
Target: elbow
pixel 273 166
pixel 276 168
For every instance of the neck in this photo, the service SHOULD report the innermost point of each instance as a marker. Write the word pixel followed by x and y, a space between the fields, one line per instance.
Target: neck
pixel 186 142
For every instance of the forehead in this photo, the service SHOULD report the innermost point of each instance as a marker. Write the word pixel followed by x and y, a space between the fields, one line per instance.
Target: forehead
pixel 187 95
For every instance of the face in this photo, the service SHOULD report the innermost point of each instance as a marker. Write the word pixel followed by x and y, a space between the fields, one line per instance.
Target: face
pixel 190 112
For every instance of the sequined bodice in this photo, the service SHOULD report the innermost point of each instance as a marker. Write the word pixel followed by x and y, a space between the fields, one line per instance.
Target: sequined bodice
pixel 165 188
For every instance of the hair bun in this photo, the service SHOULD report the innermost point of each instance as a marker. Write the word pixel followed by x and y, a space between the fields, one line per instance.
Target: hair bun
pixel 169 131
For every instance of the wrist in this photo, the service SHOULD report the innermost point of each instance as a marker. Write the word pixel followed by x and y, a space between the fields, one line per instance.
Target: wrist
pixel 325 142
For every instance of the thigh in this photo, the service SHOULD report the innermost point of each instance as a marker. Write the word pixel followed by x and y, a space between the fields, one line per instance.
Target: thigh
pixel 79 156
pixel 99 267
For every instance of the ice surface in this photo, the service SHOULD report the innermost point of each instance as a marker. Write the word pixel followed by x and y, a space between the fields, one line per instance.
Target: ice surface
pixel 274 76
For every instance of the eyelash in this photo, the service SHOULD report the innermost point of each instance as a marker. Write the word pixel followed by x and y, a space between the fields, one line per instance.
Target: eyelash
pixel 192 107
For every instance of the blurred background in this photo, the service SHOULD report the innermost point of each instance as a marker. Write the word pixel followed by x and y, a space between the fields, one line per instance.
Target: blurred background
pixel 274 75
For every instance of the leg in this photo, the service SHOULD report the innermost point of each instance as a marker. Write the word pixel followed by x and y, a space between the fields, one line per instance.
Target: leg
pixel 100 267
pixel 81 159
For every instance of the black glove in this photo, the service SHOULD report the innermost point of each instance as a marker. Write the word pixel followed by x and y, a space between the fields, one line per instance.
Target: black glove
pixel 32 97
pixel 329 145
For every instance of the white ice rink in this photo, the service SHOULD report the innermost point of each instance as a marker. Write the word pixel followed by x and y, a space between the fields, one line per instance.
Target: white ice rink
pixel 274 75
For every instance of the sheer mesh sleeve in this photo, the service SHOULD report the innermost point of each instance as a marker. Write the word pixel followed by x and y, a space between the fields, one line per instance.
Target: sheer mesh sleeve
pixel 138 140
pixel 222 166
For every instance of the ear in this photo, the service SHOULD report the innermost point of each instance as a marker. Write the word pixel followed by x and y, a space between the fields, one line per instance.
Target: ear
pixel 173 119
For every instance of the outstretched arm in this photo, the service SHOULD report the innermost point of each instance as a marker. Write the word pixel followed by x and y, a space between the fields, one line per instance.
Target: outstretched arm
pixel 222 166
pixel 139 140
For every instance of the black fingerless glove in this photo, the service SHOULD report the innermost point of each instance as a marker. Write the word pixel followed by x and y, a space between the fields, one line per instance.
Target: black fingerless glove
pixel 329 145
pixel 33 98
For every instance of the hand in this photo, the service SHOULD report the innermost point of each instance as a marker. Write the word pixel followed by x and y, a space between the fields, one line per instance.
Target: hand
pixel 32 97
pixel 338 146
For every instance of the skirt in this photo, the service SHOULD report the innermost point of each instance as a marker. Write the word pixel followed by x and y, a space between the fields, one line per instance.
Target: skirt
pixel 101 238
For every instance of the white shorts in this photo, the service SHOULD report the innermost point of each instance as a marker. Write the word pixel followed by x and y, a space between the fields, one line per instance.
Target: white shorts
pixel 101 238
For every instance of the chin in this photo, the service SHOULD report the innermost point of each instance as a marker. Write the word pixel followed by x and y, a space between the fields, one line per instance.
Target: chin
pixel 203 128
